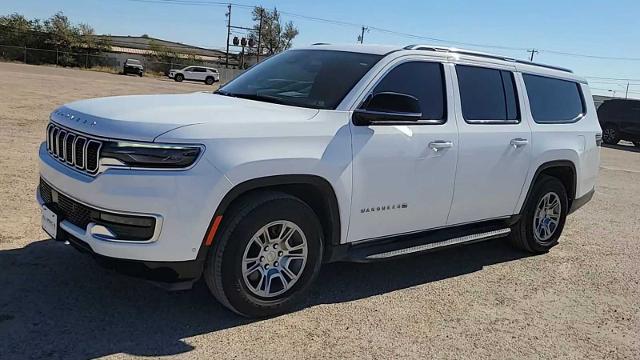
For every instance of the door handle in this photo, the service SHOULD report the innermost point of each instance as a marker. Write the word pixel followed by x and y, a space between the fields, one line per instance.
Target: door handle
pixel 518 142
pixel 440 144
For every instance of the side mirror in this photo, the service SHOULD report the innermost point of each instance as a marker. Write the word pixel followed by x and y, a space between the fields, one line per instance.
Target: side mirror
pixel 388 107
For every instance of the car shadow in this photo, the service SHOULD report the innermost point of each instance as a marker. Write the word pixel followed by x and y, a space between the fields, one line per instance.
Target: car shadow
pixel 56 302
pixel 623 145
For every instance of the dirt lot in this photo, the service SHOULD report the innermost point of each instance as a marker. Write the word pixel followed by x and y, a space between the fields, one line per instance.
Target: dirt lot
pixel 582 300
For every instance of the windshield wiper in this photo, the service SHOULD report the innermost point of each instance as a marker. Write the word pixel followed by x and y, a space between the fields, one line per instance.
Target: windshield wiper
pixel 265 98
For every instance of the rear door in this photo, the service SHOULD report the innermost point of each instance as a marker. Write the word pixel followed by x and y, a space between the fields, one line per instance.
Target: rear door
pixel 200 73
pixel 630 124
pixel 494 143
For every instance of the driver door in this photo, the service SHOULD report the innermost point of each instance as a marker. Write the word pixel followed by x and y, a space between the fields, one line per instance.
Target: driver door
pixel 403 172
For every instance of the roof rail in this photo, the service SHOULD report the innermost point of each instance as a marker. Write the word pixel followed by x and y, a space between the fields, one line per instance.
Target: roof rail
pixel 320 43
pixel 482 54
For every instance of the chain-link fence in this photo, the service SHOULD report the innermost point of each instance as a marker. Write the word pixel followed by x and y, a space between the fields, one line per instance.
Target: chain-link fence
pixel 106 61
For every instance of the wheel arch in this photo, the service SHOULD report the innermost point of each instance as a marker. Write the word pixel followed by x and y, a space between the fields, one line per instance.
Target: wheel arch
pixel 315 190
pixel 563 170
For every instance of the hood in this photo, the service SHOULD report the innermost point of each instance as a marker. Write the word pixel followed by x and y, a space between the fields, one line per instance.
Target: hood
pixel 145 117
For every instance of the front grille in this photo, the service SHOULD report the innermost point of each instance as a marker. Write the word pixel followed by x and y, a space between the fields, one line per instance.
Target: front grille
pixel 128 227
pixel 68 209
pixel 73 149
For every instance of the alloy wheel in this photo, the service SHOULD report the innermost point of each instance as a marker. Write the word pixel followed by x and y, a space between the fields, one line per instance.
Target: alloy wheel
pixel 609 135
pixel 274 259
pixel 547 217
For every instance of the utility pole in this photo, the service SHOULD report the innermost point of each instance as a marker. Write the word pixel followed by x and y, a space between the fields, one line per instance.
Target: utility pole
pixel 626 93
pixel 259 37
pixel 228 33
pixel 361 37
pixel 532 51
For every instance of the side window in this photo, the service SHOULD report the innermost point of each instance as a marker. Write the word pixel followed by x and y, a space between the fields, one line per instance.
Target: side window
pixel 198 69
pixel 189 69
pixel 487 94
pixel 423 80
pixel 554 100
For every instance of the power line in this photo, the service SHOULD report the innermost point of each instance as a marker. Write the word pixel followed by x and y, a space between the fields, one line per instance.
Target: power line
pixel 393 32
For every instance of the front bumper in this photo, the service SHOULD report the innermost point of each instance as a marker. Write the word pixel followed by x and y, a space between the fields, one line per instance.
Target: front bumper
pixel 171 275
pixel 182 202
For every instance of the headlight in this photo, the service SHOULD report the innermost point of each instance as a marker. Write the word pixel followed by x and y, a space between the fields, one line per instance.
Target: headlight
pixel 151 155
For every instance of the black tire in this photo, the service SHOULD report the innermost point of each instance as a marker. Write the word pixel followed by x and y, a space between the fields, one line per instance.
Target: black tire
pixel 223 270
pixel 178 77
pixel 523 233
pixel 610 135
pixel 209 80
pixel 140 74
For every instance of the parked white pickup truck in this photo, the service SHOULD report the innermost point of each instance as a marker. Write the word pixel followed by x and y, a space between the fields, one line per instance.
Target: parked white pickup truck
pixel 326 153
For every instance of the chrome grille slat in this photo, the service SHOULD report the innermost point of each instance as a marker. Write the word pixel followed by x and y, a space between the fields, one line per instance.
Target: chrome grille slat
pixel 79 159
pixel 73 149
pixel 69 142
pixel 60 142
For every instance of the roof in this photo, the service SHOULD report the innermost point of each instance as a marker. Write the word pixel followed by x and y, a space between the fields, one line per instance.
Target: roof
pixel 358 48
pixel 144 42
pixel 452 52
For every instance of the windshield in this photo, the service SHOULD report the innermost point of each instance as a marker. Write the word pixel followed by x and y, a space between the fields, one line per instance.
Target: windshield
pixel 135 62
pixel 317 79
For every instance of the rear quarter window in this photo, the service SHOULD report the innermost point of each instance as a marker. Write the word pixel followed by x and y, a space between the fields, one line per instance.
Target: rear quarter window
pixel 554 101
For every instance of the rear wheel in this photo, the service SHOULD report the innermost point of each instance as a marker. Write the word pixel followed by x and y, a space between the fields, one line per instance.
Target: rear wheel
pixel 209 80
pixel 178 77
pixel 267 255
pixel 543 217
pixel 610 135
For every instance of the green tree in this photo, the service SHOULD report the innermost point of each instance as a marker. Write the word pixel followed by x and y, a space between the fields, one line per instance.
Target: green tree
pixel 275 36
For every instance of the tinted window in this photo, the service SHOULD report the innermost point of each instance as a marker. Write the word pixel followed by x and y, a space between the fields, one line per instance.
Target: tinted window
pixel 553 100
pixel 487 94
pixel 424 80
pixel 310 78
pixel 198 69
pixel 619 110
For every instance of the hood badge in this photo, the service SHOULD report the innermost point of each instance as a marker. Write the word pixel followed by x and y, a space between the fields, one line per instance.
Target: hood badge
pixel 76 118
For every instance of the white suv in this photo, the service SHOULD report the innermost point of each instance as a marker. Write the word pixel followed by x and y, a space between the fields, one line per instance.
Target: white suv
pixel 196 73
pixel 327 153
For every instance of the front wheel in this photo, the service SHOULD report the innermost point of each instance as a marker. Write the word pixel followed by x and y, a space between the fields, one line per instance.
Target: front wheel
pixel 543 217
pixel 267 255
pixel 178 77
pixel 610 135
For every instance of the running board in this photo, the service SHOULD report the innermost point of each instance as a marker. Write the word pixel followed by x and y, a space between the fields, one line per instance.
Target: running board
pixel 433 246
pixel 409 244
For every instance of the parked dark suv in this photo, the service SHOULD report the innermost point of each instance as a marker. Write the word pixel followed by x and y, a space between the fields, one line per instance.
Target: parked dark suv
pixel 620 120
pixel 133 66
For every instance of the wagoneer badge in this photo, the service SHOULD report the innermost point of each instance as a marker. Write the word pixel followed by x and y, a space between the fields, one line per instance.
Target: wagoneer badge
pixel 384 208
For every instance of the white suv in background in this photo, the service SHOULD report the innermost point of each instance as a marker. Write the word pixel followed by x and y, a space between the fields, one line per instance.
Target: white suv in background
pixel 326 153
pixel 196 73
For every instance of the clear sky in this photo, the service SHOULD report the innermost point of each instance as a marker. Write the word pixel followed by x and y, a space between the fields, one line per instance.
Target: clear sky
pixel 598 28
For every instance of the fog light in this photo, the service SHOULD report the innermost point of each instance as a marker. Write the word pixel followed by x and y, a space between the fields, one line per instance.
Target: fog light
pixel 101 231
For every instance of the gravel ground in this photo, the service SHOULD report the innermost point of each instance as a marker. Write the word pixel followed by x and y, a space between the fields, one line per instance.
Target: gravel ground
pixel 582 300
